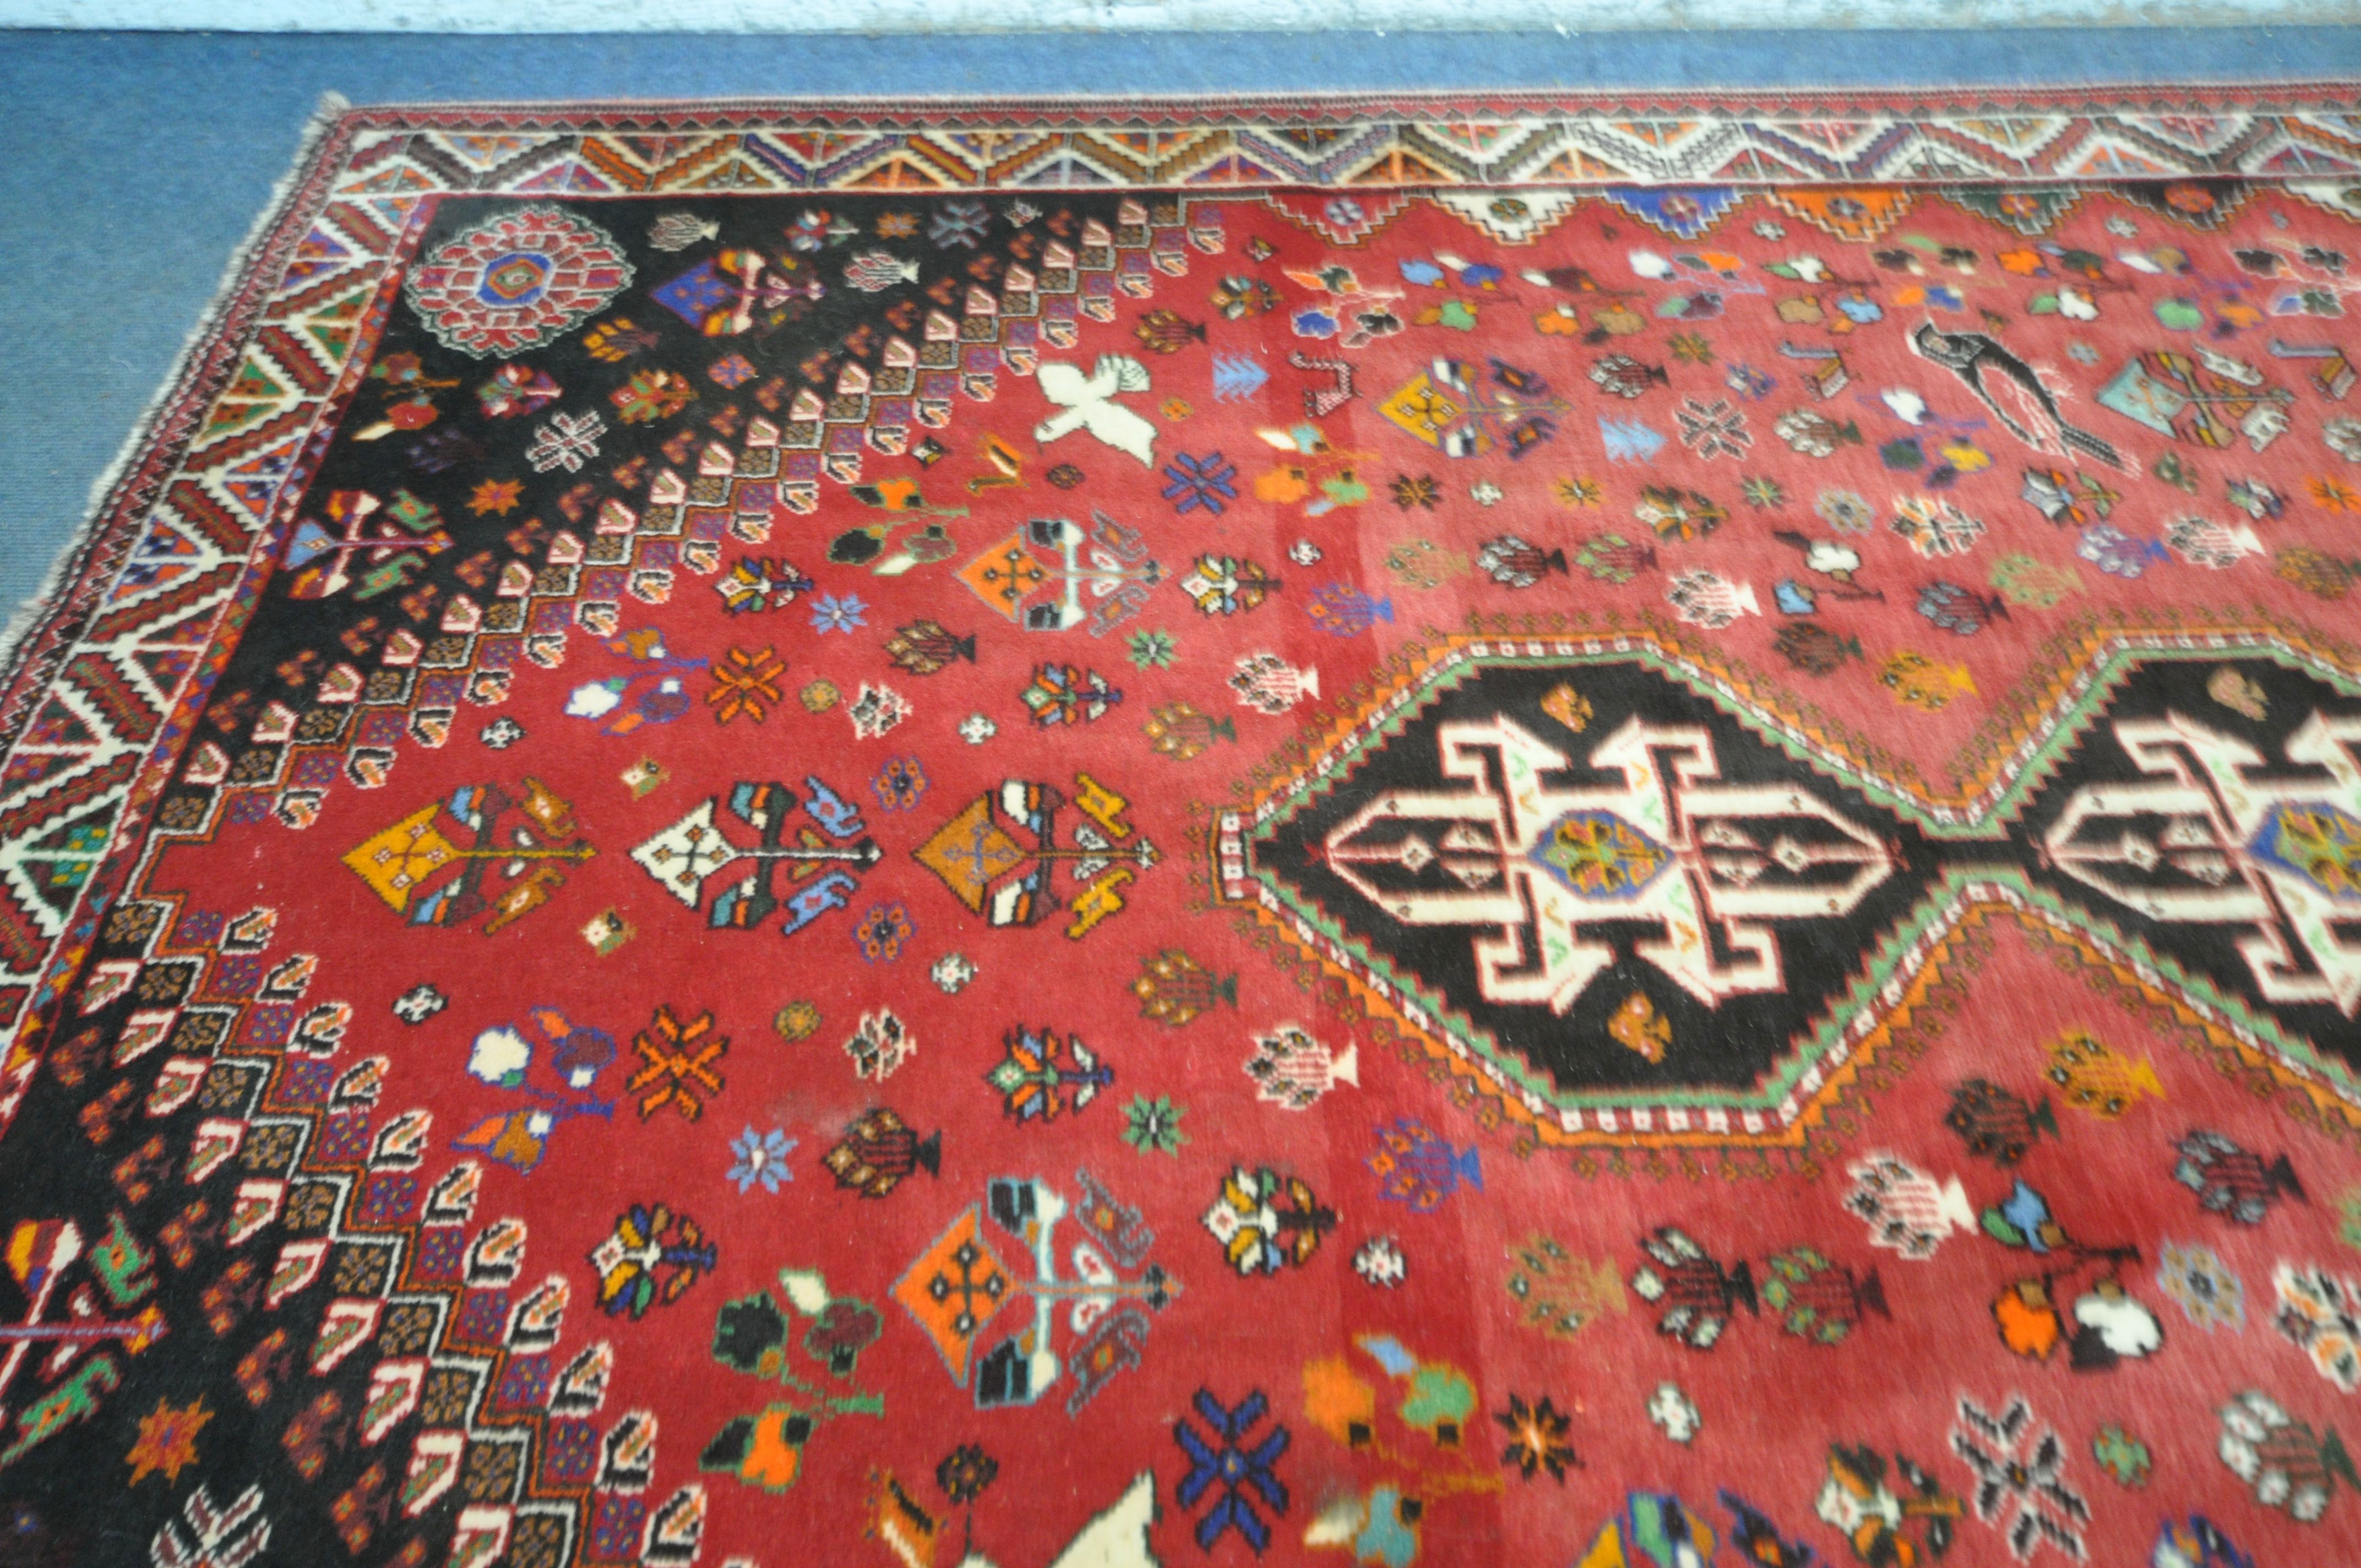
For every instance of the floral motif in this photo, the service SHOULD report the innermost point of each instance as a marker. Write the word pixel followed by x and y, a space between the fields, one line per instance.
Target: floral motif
pixel 2020 1469
pixel 761 1157
pixel 1537 1438
pixel 1154 1124
pixel 1380 1262
pixel 167 1439
pixel 965 1471
pixel 2204 1286
pixel 516 281
pixel 839 612
pixel 2122 1456
pixel 1151 650
pixel 1208 484
pixel 899 784
pixel 1236 1469
pixel 745 684
pixel 1845 511
pixel 1416 491
pixel 1675 1413
pixel 2321 1312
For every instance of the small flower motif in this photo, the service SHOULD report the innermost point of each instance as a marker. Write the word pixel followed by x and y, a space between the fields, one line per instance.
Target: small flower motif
pixel 2343 438
pixel 2122 227
pixel 834 613
pixel 761 1157
pixel 2122 1456
pixel 2081 353
pixel 1154 1124
pixel 1380 1262
pixel 498 497
pixel 899 784
pixel 1537 1440
pixel 883 931
pixel 952 973
pixel 1762 493
pixel 1767 228
pixel 745 684
pixel 2206 1289
pixel 1692 348
pixel 1152 649
pixel 965 1472
pixel 1208 483
pixel 796 1021
pixel 1419 491
pixel 975 729
pixel 418 1003
pixel 1304 553
pixel 1065 475
pixel 1675 1413
pixel 1177 409
pixel 1575 492
pixel 1343 212
pixel 501 733
pixel 1485 493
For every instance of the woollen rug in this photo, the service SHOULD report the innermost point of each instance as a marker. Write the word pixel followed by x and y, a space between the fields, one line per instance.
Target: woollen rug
pixel 1618 832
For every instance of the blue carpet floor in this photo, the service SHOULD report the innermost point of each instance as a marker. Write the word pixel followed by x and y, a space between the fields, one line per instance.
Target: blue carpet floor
pixel 132 164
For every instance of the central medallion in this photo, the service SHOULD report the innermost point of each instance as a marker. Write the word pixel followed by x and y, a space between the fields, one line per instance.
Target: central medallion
pixel 1546 849
pixel 1554 851
pixel 1617 890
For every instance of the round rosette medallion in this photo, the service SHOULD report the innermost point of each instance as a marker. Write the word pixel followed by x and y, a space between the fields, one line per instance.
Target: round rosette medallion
pixel 516 281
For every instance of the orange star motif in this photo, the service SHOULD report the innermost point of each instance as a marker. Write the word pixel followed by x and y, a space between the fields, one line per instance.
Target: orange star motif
pixel 496 495
pixel 746 681
pixel 167 1439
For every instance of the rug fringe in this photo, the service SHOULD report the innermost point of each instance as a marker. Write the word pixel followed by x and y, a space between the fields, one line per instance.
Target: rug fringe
pixel 68 563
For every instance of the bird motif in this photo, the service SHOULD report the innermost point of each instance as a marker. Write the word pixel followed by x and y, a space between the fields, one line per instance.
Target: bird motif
pixel 2025 408
pixel 1087 401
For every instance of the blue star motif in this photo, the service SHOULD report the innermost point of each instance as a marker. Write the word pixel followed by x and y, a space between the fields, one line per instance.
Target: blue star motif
pixel 1239 1475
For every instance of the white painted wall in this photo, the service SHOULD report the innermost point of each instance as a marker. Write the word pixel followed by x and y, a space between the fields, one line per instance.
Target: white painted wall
pixel 1143 15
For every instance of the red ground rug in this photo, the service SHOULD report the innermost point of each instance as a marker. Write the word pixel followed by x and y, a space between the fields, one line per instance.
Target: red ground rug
pixel 1528 831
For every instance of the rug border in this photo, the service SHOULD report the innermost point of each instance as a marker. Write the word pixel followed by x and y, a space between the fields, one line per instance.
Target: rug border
pixel 51 617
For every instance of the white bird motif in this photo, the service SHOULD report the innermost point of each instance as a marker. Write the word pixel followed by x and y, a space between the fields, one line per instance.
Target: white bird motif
pixel 1089 404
